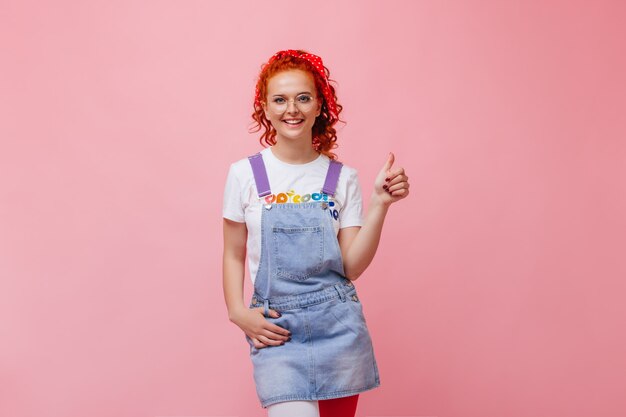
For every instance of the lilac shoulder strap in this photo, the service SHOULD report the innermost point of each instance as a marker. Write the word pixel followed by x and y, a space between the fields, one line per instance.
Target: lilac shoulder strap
pixel 332 177
pixel 260 174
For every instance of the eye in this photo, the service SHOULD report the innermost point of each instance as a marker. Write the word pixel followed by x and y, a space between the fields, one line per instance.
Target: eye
pixel 304 98
pixel 279 100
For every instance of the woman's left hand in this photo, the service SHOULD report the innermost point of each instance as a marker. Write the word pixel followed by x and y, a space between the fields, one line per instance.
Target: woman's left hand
pixel 391 184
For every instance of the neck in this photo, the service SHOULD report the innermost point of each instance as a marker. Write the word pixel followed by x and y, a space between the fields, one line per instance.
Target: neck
pixel 294 152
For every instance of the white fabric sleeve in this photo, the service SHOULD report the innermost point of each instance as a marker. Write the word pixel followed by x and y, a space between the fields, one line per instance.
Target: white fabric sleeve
pixel 233 203
pixel 352 211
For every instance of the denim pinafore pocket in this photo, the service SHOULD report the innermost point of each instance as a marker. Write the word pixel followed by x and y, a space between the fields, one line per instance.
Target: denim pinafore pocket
pixel 298 251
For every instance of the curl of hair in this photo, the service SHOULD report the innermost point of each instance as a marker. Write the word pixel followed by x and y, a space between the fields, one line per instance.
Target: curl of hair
pixel 323 128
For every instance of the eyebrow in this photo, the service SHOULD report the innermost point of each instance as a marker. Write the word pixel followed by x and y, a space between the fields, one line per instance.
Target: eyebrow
pixel 302 92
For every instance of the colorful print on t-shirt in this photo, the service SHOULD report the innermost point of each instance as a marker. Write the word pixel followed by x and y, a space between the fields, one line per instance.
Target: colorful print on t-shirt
pixel 291 197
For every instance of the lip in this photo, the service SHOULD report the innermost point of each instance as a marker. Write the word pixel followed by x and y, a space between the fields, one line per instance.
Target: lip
pixel 293 126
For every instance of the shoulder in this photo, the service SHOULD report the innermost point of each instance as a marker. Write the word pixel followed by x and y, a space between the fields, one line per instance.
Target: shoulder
pixel 241 168
pixel 348 173
pixel 348 194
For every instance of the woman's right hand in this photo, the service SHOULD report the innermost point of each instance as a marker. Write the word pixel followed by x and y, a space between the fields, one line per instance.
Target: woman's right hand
pixel 262 332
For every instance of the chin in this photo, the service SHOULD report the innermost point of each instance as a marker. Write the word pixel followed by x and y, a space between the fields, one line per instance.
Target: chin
pixel 291 135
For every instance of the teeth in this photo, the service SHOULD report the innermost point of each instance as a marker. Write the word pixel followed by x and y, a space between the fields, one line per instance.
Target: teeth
pixel 293 122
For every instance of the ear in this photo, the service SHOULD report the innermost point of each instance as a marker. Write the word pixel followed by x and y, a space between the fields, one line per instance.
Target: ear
pixel 319 109
pixel 264 105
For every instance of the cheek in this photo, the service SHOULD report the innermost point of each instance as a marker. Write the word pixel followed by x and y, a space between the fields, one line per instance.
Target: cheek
pixel 275 121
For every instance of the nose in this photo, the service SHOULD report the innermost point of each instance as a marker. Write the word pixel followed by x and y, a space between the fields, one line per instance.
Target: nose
pixel 291 107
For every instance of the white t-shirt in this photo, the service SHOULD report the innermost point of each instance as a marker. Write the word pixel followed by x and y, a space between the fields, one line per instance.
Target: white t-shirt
pixel 290 183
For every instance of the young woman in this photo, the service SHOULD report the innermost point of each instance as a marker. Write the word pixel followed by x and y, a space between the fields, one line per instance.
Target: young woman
pixel 295 211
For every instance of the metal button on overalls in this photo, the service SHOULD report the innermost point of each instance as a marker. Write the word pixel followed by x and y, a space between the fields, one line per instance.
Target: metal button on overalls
pixel 301 275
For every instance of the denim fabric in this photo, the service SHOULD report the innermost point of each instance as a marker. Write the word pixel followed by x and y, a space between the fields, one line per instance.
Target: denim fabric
pixel 299 249
pixel 301 275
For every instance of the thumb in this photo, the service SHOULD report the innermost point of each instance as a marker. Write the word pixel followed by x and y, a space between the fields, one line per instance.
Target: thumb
pixel 274 313
pixel 389 162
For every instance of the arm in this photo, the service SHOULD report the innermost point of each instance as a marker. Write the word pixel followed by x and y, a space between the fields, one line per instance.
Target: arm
pixel 359 244
pixel 250 320
pixel 233 264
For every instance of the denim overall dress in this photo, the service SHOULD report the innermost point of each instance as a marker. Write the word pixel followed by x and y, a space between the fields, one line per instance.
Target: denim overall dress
pixel 301 275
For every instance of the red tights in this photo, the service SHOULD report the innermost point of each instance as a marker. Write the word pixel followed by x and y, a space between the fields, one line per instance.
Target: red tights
pixel 339 407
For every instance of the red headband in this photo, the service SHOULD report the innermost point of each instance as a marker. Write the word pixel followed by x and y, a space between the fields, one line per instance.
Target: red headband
pixel 316 61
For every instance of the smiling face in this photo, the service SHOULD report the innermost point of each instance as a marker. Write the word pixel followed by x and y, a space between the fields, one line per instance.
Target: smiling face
pixel 292 105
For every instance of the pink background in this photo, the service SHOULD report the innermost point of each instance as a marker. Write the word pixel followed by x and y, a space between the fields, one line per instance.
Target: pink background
pixel 498 288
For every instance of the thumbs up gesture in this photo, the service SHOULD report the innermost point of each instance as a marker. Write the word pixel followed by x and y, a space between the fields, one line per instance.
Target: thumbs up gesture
pixel 391 184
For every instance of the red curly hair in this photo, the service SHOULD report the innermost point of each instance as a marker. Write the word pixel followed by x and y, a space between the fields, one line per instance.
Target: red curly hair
pixel 323 129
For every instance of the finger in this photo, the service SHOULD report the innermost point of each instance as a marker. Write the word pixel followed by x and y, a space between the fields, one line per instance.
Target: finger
pixel 275 329
pixel 389 162
pixel 395 172
pixel 275 335
pixel 398 186
pixel 274 313
pixel 400 193
pixel 269 341
pixel 397 179
pixel 257 344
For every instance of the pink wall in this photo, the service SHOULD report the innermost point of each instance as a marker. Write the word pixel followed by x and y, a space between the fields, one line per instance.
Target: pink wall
pixel 499 284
